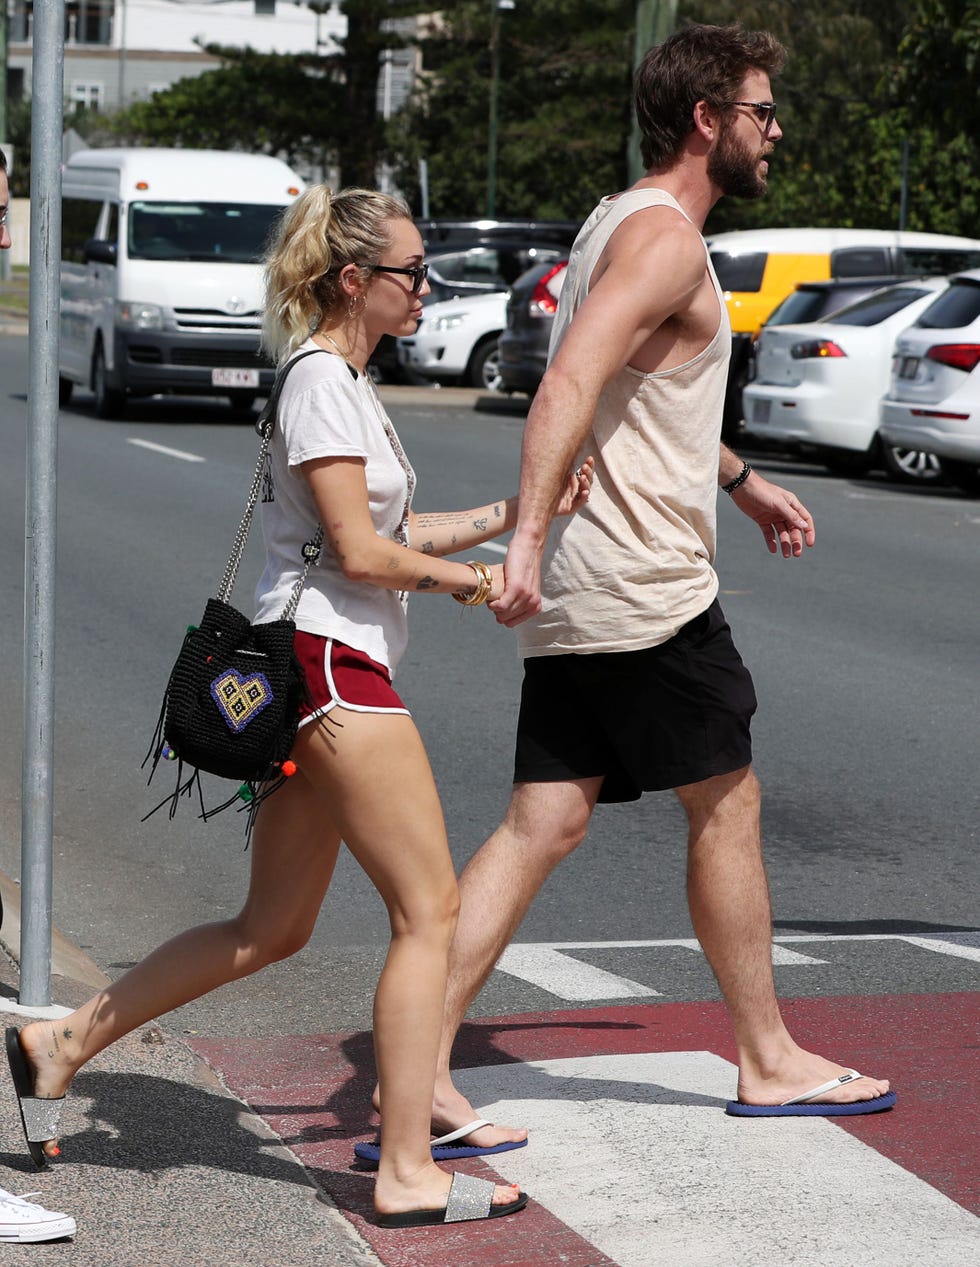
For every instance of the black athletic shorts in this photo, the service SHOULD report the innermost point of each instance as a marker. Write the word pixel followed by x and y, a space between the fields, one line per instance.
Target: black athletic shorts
pixel 645 720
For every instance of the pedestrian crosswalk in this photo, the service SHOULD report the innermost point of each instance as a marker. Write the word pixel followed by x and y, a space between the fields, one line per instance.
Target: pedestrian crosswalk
pixel 550 966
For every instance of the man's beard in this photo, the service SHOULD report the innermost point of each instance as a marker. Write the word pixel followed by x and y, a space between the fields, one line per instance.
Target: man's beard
pixel 735 170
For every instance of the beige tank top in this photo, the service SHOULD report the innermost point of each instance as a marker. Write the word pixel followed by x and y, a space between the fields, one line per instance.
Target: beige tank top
pixel 635 565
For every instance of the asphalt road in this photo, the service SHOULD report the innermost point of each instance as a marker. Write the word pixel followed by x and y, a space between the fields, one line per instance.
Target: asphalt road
pixel 864 653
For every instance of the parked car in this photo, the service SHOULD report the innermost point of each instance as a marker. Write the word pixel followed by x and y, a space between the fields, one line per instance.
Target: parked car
pixel 456 341
pixel 758 268
pixel 818 384
pixel 933 399
pixel 468 269
pixel 531 308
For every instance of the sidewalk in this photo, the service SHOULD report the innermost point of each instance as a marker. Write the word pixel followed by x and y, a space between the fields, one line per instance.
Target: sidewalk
pixel 163 1166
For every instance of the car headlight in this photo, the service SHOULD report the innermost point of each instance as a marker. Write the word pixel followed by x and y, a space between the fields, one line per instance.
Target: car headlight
pixel 441 324
pixel 139 316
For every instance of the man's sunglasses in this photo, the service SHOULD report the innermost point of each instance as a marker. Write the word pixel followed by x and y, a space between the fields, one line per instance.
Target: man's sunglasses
pixel 765 111
pixel 418 274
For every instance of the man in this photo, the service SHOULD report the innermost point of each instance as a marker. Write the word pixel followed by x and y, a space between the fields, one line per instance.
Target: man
pixel 21 1220
pixel 632 682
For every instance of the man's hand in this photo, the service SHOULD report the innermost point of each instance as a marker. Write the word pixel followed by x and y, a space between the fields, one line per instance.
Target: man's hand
pixel 522 586
pixel 785 522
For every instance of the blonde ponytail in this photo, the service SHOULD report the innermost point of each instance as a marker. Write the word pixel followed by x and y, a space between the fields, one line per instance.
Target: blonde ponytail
pixel 320 234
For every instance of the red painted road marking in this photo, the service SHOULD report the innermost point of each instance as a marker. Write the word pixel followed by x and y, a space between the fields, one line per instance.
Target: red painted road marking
pixel 314 1091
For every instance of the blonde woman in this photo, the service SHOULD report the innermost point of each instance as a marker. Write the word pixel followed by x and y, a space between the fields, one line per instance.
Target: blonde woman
pixel 344 270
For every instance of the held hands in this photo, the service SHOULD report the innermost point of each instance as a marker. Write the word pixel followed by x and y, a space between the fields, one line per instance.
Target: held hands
pixel 785 522
pixel 576 489
pixel 520 597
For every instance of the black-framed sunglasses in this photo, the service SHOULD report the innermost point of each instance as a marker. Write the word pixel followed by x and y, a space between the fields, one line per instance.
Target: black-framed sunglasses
pixel 418 274
pixel 765 111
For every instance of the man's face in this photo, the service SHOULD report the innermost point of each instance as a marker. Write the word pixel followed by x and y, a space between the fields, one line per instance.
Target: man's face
pixel 737 164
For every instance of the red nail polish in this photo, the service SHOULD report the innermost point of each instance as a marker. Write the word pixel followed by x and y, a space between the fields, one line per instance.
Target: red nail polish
pixel 54 1152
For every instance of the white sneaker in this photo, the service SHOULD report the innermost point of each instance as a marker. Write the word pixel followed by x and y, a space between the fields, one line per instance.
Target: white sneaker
pixel 21 1220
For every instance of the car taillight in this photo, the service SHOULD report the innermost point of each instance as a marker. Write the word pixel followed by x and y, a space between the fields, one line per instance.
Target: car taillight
pixel 814 348
pixel 543 303
pixel 960 356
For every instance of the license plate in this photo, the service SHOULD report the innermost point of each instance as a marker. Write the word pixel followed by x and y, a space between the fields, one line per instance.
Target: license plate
pixel 760 410
pixel 234 378
pixel 909 367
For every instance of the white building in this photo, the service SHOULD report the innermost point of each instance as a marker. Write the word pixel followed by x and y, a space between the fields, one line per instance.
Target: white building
pixel 118 51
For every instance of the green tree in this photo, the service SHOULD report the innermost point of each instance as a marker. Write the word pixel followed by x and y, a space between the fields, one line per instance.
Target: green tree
pixel 564 90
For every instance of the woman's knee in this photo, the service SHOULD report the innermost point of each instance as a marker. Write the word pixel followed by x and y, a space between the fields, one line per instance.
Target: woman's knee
pixel 270 943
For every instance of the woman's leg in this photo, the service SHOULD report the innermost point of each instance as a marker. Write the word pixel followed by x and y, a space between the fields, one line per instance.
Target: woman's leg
pixel 294 851
pixel 376 778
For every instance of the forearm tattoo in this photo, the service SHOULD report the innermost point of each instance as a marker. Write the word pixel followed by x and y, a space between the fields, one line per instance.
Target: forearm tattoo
pixel 427 547
pixel 480 524
pixel 426 583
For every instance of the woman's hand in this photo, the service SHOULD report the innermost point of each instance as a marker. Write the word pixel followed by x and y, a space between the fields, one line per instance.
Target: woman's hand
pixel 497 583
pixel 577 488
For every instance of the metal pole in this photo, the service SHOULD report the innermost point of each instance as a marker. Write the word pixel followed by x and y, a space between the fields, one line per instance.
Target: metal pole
pixel 37 781
pixel 494 92
pixel 903 206
pixel 655 20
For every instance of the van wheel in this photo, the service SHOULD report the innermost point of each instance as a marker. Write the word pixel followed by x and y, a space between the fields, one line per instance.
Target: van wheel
pixel 65 387
pixel 912 466
pixel 109 401
pixel 484 367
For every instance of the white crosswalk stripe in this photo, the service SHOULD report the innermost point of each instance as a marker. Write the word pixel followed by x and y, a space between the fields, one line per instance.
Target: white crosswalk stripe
pixel 635 1154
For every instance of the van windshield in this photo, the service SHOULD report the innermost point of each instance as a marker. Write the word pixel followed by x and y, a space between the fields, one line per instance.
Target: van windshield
pixel 228 232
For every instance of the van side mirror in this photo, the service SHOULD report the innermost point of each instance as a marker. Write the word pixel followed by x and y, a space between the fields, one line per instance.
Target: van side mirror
pixel 98 251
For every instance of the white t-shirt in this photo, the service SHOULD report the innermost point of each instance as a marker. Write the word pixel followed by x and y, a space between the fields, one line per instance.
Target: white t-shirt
pixel 324 411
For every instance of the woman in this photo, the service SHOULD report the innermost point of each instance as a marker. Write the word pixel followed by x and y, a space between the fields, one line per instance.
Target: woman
pixel 343 271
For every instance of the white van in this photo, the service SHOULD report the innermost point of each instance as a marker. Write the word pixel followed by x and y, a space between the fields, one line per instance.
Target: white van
pixel 161 281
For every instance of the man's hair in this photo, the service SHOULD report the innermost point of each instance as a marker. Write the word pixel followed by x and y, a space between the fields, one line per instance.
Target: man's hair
pixel 3 161
pixel 698 63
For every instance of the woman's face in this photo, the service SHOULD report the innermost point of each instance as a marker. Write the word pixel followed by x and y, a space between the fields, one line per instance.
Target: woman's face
pixel 393 300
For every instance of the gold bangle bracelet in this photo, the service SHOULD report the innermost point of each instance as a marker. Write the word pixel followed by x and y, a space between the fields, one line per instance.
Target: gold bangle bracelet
pixel 484 584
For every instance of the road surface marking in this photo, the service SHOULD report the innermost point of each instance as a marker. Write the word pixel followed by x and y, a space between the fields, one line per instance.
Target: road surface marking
pixel 544 965
pixel 162 448
pixel 634 1153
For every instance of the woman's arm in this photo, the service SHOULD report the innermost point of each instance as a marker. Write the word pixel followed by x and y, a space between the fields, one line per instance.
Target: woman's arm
pixel 442 532
pixel 340 491
pixel 447 531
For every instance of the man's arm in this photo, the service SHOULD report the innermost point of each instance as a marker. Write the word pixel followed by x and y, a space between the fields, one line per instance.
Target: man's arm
pixel 652 268
pixel 785 522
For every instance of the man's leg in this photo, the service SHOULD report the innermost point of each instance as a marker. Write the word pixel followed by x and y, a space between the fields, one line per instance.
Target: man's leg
pixel 544 823
pixel 729 899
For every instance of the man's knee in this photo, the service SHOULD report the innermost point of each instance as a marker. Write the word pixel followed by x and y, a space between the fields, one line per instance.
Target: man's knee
pixel 551 819
pixel 734 799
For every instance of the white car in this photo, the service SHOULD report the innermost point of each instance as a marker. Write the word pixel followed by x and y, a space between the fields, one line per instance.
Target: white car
pixel 456 341
pixel 933 400
pixel 818 385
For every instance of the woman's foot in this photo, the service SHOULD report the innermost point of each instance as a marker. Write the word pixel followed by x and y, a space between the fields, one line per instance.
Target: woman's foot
pixel 47 1048
pixel 427 1189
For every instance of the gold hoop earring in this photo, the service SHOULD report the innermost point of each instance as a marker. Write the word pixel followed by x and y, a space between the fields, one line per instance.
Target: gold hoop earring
pixel 354 305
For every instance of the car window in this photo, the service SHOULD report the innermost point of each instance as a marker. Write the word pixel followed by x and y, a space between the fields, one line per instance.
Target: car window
pixel 492 268
pixel 860 261
pixel 957 307
pixel 937 261
pixel 800 306
pixel 877 307
pixel 742 272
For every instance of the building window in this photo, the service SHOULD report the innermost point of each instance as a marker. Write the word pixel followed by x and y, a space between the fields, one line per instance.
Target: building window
pixel 86 95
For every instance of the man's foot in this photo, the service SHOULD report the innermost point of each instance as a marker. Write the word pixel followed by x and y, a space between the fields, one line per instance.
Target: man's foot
pixel 451 1110
pixel 804 1082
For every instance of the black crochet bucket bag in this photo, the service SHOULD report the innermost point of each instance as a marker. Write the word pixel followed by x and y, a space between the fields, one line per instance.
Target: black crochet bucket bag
pixel 231 707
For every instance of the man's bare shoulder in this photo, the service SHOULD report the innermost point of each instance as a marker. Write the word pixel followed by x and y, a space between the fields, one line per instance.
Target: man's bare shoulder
pixel 659 245
pixel 660 230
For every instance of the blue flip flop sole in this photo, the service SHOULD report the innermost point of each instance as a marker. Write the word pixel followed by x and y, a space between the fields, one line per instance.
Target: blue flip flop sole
pixel 371 1152
pixel 736 1109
